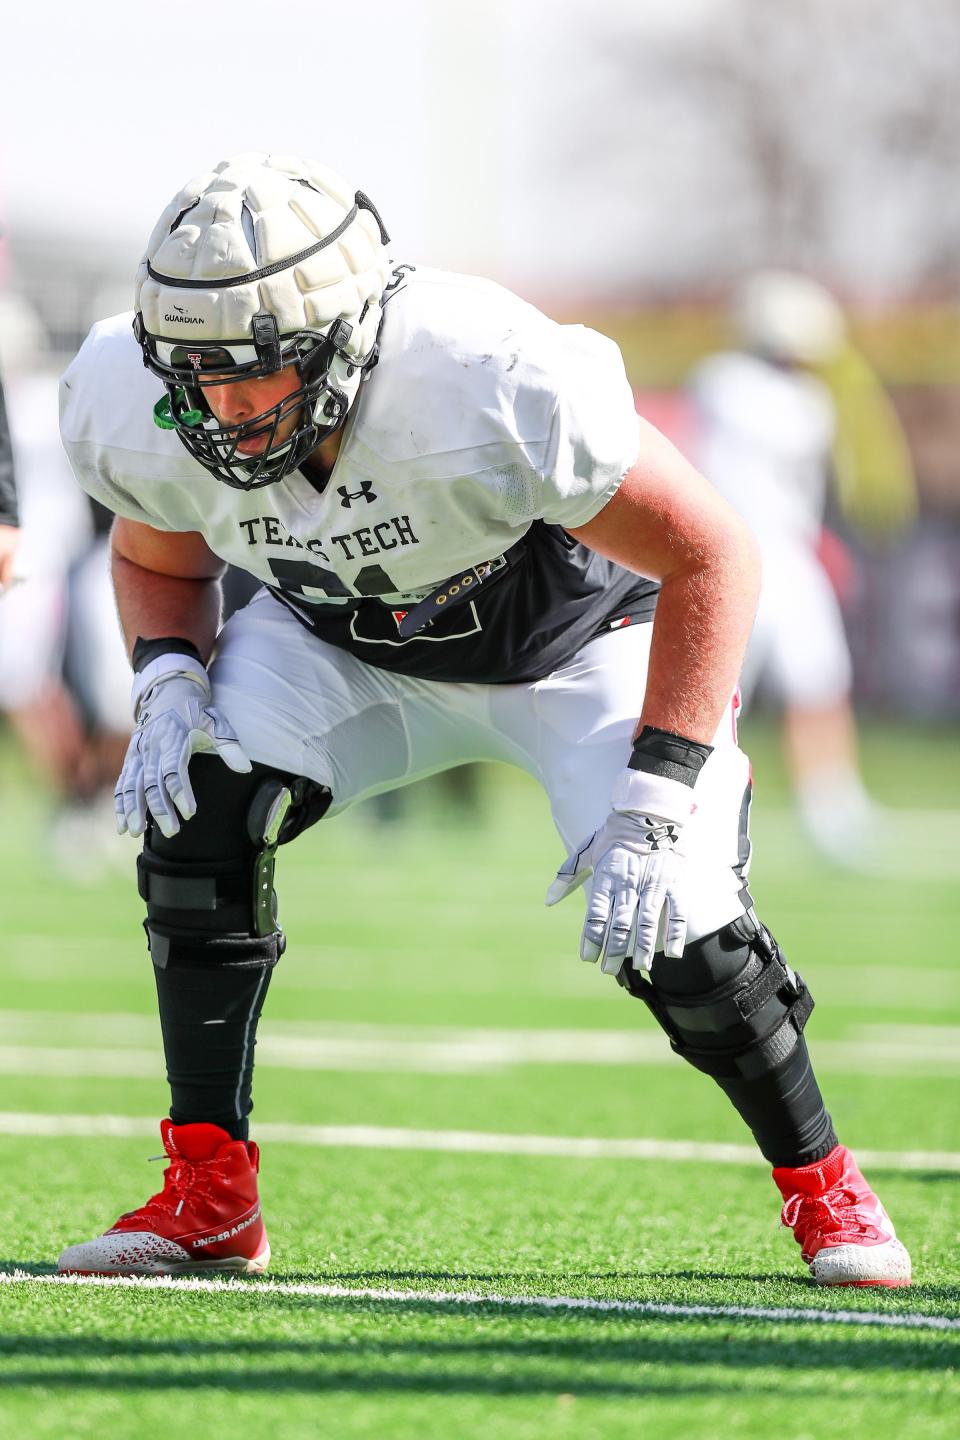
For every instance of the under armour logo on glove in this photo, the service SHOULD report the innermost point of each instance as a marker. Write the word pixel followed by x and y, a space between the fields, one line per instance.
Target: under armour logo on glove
pixel 365 492
pixel 661 837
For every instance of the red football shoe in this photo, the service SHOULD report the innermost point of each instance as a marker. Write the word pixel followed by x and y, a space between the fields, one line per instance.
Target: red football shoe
pixel 206 1217
pixel 844 1233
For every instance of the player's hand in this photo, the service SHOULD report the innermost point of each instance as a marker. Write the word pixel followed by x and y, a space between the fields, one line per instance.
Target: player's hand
pixel 637 861
pixel 9 536
pixel 637 864
pixel 175 720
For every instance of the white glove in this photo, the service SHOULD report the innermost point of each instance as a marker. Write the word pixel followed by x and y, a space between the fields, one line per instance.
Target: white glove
pixel 175 720
pixel 637 861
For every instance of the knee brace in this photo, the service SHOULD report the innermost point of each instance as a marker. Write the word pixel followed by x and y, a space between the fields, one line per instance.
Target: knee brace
pixel 732 1006
pixel 209 889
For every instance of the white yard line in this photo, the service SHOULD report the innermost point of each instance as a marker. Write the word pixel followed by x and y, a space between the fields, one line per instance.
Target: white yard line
pixel 472 1298
pixel 114 1064
pixel 911 1050
pixel 464 1142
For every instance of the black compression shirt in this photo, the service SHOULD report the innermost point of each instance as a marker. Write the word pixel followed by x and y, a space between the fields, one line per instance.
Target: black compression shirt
pixel 542 608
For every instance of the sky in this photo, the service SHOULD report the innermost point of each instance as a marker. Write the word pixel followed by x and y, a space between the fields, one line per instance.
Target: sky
pixel 557 145
pixel 454 115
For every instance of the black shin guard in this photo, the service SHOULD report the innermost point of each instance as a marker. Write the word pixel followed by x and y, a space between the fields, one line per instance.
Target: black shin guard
pixel 213 936
pixel 734 1009
pixel 208 1015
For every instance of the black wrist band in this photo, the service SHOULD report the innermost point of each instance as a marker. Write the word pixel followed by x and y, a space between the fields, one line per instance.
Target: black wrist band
pixel 146 650
pixel 660 752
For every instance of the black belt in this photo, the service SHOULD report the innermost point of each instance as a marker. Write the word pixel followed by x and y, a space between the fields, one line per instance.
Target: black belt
pixel 460 587
pixel 444 597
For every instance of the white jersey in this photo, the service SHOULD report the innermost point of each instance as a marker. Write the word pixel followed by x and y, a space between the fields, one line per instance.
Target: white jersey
pixel 482 423
pixel 764 441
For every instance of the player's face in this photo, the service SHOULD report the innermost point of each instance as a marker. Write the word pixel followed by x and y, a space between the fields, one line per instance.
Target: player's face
pixel 243 400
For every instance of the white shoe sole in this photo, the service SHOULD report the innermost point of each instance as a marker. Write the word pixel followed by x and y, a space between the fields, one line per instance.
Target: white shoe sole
pixel 152 1256
pixel 885 1264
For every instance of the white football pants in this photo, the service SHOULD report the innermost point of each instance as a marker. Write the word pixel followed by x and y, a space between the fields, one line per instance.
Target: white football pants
pixel 301 705
pixel 798 649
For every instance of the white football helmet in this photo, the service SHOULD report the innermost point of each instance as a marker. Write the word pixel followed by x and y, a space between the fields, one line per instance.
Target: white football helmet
pixel 788 317
pixel 263 262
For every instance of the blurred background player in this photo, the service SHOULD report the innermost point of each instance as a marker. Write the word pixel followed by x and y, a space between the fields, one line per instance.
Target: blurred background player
pixel 793 409
pixel 9 513
pixel 64 677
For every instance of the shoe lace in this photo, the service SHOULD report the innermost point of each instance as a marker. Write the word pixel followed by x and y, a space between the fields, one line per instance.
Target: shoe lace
pixel 835 1213
pixel 183 1180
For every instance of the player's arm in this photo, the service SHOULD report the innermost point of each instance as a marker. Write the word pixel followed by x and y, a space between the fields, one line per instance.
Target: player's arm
pixel 667 522
pixel 9 538
pixel 9 521
pixel 168 597
pixel 166 584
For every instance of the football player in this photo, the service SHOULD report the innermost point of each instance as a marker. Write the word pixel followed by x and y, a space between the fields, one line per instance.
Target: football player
pixel 470 547
pixel 766 432
pixel 64 675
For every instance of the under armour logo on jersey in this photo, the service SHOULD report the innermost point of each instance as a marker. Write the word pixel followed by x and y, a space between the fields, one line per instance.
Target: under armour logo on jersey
pixel 364 493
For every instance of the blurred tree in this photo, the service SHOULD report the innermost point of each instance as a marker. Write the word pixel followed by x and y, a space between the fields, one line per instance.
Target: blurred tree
pixel 823 135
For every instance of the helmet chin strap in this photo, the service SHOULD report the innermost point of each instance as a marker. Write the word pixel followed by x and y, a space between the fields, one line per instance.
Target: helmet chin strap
pixel 266 341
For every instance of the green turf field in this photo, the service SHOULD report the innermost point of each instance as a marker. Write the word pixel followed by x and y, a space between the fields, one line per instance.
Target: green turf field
pixel 465 1128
